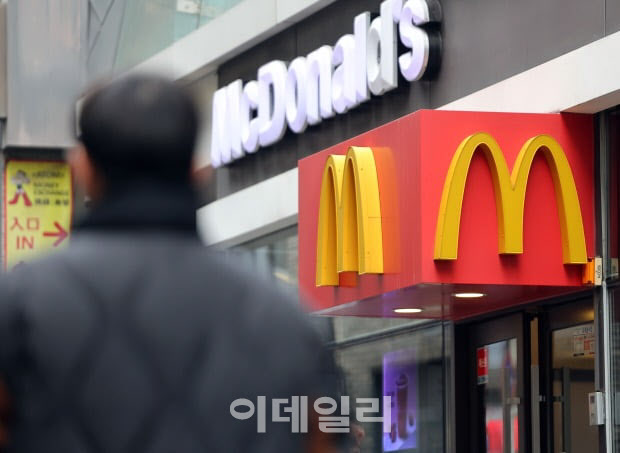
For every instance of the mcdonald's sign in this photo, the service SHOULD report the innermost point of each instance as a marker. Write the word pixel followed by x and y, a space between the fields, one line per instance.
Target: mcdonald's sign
pixel 510 196
pixel 439 201
pixel 349 235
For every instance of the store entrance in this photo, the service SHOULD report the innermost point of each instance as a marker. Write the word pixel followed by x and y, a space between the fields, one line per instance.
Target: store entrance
pixel 569 358
pixel 496 353
pixel 529 376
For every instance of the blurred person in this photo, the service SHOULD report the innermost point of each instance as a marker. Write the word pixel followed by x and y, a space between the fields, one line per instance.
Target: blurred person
pixel 137 338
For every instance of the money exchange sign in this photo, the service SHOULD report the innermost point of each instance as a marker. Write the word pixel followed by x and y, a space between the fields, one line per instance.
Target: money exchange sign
pixel 38 203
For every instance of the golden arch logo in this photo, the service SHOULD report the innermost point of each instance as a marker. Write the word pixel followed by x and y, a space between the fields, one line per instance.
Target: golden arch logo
pixel 510 196
pixel 349 235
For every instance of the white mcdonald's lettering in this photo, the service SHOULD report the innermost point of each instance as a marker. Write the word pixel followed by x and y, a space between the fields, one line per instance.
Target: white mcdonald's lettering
pixel 328 81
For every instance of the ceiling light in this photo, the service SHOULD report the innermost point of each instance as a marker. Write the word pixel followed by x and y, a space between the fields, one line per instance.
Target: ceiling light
pixel 407 310
pixel 469 295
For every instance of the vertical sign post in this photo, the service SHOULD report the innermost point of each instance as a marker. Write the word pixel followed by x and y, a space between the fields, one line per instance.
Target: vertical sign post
pixel 38 204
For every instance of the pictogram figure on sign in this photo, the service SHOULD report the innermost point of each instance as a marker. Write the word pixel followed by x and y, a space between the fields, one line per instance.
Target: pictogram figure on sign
pixel 20 179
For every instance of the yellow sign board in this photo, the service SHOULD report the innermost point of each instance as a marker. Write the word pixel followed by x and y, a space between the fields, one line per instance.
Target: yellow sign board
pixel 38 204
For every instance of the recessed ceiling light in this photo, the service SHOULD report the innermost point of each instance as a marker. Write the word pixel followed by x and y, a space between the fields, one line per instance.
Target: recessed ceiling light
pixel 469 295
pixel 407 310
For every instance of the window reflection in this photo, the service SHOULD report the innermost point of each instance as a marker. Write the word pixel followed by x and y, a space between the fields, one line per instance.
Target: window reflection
pixel 407 366
pixel 150 26
pixel 573 350
pixel 501 405
pixel 274 257
pixel 403 358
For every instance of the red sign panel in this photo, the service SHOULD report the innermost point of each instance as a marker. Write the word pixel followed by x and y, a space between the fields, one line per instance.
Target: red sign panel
pixel 482 365
pixel 406 216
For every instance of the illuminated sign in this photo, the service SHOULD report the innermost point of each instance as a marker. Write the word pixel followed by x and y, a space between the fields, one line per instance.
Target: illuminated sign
pixel 328 81
pixel 349 231
pixel 404 219
pixel 510 196
pixel 349 234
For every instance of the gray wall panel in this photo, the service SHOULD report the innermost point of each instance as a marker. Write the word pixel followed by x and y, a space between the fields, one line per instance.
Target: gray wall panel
pixel 612 16
pixel 55 47
pixel 45 59
pixel 104 33
pixel 485 41
pixel 3 46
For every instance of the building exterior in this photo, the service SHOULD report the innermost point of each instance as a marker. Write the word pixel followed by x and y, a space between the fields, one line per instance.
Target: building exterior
pixel 514 369
pixel 294 90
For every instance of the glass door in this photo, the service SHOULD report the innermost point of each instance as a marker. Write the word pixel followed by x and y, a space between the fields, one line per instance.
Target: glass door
pixel 496 350
pixel 571 377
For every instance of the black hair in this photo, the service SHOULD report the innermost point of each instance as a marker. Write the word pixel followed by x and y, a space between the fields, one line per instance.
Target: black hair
pixel 140 127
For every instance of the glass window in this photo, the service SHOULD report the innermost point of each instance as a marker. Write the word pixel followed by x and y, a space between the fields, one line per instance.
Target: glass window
pixel 274 256
pixel 407 366
pixel 400 358
pixel 150 26
pixel 500 400
pixel 348 328
pixel 615 360
pixel 210 9
pixel 613 130
pixel 573 357
pixel 615 364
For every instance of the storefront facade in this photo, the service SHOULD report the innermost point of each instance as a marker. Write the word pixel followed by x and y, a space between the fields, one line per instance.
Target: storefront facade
pixel 515 368
pixel 383 240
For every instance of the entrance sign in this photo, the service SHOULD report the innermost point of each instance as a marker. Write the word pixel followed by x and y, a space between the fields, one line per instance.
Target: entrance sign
pixel 38 204
pixel 584 341
pixel 510 196
pixel 328 81
pixel 384 216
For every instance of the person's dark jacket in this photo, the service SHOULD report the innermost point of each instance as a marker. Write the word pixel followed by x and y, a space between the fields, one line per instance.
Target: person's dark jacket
pixel 138 339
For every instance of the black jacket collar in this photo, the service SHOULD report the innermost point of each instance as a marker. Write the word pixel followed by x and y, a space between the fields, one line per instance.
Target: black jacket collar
pixel 144 206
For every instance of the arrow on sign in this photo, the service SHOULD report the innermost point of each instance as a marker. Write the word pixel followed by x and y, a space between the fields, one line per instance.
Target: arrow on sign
pixel 61 234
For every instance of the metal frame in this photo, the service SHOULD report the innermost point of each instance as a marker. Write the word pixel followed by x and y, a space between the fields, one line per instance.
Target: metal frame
pixel 602 300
